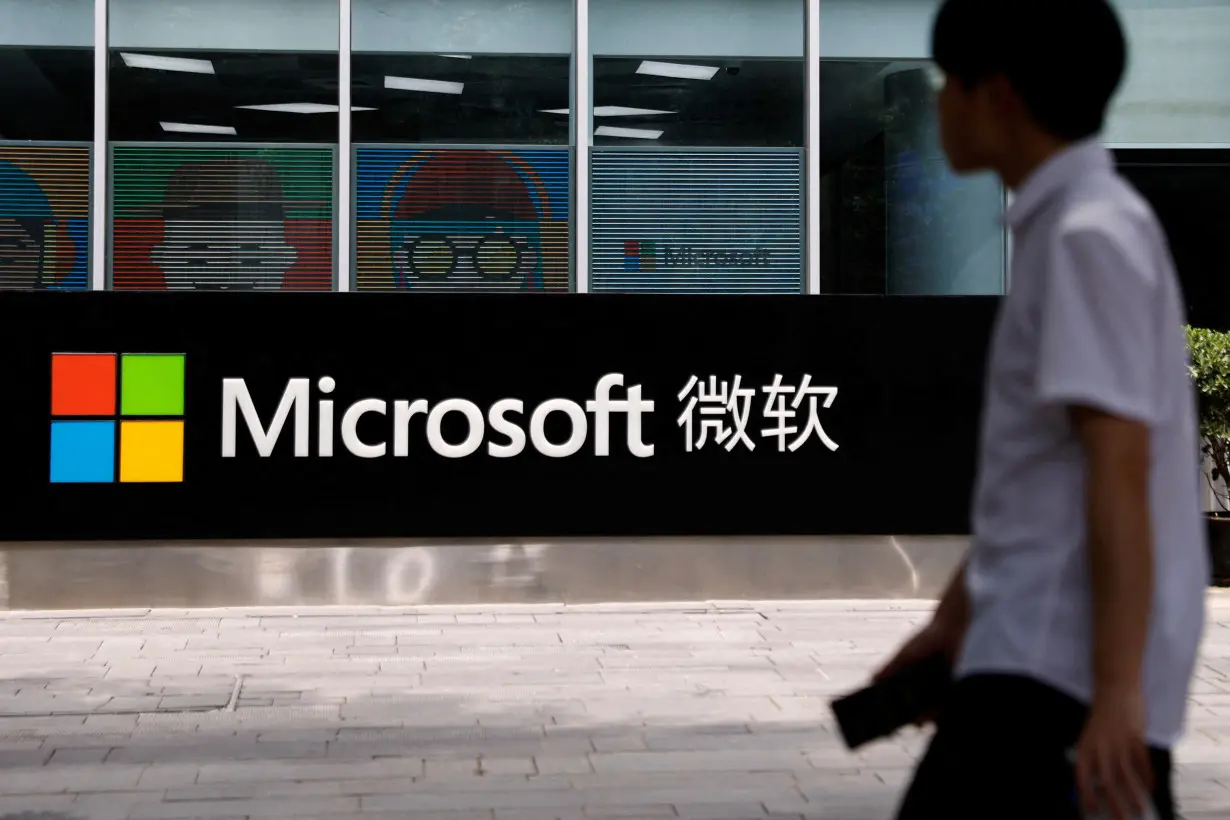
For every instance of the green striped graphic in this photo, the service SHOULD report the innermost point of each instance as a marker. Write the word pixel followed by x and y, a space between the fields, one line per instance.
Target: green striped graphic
pixel 142 177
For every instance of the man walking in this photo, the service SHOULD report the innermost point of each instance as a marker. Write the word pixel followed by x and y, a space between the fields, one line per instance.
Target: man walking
pixel 1075 621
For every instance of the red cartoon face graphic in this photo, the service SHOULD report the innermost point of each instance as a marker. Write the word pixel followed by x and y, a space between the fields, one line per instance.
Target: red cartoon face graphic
pixel 224 227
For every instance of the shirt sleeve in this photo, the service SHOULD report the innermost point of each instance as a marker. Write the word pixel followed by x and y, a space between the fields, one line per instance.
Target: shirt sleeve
pixel 1099 334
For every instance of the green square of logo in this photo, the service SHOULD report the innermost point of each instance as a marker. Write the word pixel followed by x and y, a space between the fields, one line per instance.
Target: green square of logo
pixel 152 384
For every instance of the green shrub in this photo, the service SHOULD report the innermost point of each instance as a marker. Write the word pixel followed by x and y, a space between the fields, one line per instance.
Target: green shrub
pixel 1209 362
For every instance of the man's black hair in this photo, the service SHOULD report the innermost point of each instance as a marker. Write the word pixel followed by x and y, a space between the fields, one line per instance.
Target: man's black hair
pixel 1065 58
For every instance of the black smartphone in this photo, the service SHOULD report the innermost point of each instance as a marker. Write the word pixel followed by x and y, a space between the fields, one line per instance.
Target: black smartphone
pixel 879 710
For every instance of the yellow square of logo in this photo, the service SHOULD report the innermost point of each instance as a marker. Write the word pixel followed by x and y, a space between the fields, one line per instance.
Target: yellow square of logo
pixel 152 451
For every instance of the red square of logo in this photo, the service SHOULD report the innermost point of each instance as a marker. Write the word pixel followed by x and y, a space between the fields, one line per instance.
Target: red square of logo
pixel 83 384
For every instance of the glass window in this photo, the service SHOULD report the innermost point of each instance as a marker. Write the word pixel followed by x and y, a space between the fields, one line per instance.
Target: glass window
pixel 1189 190
pixel 223 128
pixel 894 219
pixel 877 29
pixel 698 113
pixel 461 127
pixel 1176 90
pixel 1171 125
pixel 46 133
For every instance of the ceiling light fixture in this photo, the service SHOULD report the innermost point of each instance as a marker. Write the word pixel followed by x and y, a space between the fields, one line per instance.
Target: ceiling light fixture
pixel 158 63
pixel 613 111
pixel 192 128
pixel 302 108
pixel 630 133
pixel 625 111
pixel 681 71
pixel 430 86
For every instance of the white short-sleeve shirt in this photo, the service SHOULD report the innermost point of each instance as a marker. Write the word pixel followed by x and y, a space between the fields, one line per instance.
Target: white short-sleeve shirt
pixel 1093 317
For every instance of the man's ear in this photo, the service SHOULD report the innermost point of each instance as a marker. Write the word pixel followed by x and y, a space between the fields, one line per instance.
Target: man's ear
pixel 1006 104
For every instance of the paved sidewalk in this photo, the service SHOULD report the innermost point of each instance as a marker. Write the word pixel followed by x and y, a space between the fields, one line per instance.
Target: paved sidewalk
pixel 703 711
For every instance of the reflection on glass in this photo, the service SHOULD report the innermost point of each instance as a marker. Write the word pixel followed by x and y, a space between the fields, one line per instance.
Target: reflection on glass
pixel 220 96
pixel 894 219
pixel 698 114
pixel 1176 90
pixel 258 82
pixel 728 102
pixel 1189 190
pixel 459 109
pixel 481 100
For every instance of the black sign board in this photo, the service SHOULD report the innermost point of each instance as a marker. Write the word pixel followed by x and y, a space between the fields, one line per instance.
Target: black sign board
pixel 250 415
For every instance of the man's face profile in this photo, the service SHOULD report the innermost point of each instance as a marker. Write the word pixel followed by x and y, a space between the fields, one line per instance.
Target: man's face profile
pixel 975 121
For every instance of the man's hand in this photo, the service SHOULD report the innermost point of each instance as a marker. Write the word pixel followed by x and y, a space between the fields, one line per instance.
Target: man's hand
pixel 1112 760
pixel 937 636
pixel 944 633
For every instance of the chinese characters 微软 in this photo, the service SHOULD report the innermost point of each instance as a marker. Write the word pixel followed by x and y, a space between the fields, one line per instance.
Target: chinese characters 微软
pixel 718 410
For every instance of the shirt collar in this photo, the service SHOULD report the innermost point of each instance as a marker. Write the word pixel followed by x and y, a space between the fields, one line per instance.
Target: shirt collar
pixel 1053 175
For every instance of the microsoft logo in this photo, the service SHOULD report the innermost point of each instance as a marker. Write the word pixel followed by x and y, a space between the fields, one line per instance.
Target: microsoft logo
pixel 150 446
pixel 639 256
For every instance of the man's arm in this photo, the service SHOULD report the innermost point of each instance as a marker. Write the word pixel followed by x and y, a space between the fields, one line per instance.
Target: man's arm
pixel 944 633
pixel 954 609
pixel 1100 351
pixel 1113 767
pixel 1120 546
pixel 1099 359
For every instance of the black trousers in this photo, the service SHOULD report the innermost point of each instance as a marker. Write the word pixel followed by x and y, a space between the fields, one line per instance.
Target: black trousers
pixel 1000 750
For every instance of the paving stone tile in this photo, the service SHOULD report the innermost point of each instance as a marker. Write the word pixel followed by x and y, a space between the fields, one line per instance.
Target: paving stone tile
pixel 693 761
pixel 720 811
pixel 644 812
pixel 35 803
pixel 555 764
pixel 72 756
pixel 11 758
pixel 280 807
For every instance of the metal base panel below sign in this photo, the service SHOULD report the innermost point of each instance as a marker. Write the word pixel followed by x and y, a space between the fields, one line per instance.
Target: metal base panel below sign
pixel 409 573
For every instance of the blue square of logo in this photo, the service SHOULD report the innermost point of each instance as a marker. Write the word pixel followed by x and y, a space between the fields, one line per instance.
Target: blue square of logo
pixel 632 263
pixel 82 452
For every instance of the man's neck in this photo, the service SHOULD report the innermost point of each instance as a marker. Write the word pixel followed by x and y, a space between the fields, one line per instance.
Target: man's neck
pixel 1030 154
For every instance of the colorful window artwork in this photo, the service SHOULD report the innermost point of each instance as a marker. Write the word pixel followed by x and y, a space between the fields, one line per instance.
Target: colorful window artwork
pixel 487 220
pixel 44 217
pixel 190 218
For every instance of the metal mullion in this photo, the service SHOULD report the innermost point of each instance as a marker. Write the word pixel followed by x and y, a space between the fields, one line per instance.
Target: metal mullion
pixel 344 200
pixel 583 131
pixel 811 252
pixel 100 165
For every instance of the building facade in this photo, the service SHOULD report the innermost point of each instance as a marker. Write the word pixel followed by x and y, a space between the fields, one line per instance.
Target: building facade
pixel 187 185
pixel 695 146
